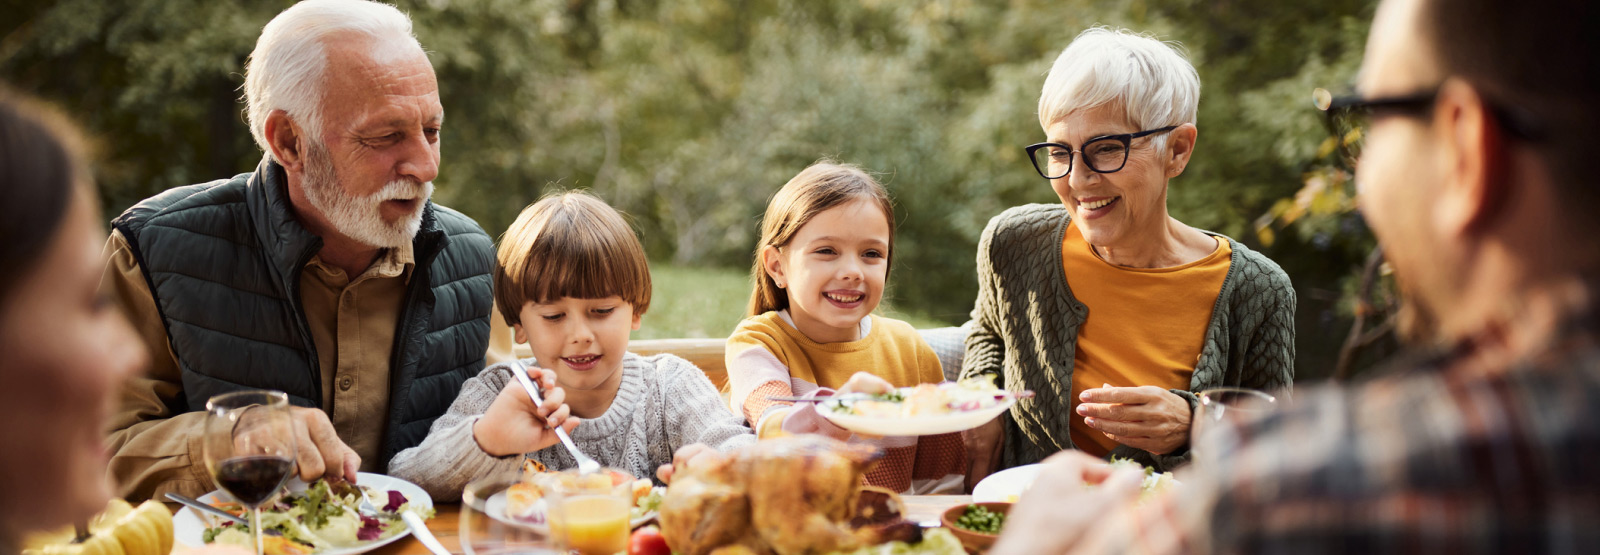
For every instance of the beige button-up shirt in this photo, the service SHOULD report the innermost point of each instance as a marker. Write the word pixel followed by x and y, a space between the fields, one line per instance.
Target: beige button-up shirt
pixel 352 323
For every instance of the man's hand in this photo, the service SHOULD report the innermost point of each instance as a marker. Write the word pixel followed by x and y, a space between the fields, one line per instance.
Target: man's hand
pixel 1073 491
pixel 1146 417
pixel 513 425
pixel 318 449
pixel 691 454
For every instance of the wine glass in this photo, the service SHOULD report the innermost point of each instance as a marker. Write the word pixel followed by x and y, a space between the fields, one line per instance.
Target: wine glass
pixel 1233 404
pixel 249 448
pixel 486 529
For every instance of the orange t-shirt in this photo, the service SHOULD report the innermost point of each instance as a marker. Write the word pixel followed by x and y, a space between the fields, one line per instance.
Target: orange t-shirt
pixel 1145 326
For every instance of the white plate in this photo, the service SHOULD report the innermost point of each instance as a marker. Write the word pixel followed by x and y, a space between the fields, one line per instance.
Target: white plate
pixel 913 426
pixel 1006 485
pixel 496 507
pixel 188 527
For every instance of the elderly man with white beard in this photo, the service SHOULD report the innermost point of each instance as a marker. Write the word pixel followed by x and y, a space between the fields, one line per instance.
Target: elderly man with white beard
pixel 326 273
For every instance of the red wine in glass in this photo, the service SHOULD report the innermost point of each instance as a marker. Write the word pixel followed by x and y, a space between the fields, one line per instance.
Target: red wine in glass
pixel 249 448
pixel 252 480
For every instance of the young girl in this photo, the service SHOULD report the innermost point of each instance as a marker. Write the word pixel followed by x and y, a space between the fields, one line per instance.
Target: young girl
pixel 573 282
pixel 819 271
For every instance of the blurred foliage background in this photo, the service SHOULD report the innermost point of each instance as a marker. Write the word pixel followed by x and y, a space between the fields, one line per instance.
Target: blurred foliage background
pixel 689 114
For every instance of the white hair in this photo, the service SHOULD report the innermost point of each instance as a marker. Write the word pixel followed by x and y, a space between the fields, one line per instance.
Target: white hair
pixel 1152 80
pixel 285 72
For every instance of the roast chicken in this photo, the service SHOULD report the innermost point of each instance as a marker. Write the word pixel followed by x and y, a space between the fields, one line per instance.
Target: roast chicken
pixel 785 496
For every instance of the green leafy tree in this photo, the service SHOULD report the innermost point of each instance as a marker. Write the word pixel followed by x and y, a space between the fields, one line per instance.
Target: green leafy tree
pixel 689 114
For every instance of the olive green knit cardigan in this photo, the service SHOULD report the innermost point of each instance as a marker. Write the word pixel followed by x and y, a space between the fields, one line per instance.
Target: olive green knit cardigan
pixel 1025 330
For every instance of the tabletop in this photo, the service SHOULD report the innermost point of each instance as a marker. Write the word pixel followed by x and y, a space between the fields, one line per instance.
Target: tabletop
pixel 447 521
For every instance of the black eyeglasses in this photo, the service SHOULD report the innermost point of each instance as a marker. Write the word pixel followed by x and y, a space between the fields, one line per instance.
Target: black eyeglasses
pixel 1103 154
pixel 1348 118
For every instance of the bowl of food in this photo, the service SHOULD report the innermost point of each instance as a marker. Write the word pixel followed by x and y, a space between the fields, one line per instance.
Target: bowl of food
pixel 977 525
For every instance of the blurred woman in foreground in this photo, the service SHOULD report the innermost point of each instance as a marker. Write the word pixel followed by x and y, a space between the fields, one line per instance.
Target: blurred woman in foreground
pixel 64 348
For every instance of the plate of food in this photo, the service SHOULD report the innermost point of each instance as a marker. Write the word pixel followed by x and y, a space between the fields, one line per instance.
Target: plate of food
pixel 524 504
pixel 1008 485
pixel 922 410
pixel 317 518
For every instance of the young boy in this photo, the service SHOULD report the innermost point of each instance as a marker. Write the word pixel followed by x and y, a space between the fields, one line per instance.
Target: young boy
pixel 572 281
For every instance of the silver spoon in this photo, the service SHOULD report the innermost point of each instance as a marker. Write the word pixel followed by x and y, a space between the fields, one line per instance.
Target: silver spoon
pixel 585 464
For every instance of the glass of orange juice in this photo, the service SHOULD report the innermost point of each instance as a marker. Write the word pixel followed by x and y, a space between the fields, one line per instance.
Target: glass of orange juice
pixel 590 511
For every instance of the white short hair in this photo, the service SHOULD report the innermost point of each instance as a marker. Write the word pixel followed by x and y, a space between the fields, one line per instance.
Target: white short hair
pixel 1151 79
pixel 285 72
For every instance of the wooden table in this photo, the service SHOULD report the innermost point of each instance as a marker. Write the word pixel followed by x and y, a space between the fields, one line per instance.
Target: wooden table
pixel 447 520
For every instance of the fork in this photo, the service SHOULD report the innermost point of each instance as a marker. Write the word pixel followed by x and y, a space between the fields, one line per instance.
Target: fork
pixel 586 465
pixel 366 508
pixel 412 520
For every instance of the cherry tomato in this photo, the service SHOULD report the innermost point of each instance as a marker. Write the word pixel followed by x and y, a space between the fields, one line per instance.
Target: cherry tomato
pixel 648 541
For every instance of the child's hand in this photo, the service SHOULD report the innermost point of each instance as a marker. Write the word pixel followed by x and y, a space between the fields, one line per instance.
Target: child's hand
pixel 865 382
pixel 692 454
pixel 513 425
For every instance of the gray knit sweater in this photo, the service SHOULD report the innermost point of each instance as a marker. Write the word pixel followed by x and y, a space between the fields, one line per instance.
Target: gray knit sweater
pixel 664 403
pixel 1025 330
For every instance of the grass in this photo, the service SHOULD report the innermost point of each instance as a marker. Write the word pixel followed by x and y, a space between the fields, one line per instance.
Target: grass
pixel 710 302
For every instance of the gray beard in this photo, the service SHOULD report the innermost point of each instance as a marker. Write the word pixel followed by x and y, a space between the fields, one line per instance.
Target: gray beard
pixel 358 217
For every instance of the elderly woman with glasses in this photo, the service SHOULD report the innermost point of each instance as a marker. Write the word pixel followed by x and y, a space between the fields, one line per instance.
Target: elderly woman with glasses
pixel 1114 313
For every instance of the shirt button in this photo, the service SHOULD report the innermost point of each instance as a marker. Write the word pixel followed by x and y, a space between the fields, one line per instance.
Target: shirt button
pixel 346 382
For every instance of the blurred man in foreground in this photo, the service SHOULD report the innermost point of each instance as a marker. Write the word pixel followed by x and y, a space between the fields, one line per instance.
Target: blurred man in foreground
pixel 1480 121
pixel 328 273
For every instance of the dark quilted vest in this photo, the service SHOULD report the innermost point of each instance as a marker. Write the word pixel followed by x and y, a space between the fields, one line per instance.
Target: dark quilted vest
pixel 223 260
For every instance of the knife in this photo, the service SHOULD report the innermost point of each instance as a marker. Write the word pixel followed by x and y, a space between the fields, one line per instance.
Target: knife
pixel 198 506
pixel 420 530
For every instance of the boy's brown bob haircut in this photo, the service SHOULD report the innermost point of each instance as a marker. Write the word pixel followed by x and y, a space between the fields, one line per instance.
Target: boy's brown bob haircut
pixel 569 244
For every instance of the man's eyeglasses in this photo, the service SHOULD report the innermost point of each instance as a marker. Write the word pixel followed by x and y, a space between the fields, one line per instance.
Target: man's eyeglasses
pixel 1349 117
pixel 1103 154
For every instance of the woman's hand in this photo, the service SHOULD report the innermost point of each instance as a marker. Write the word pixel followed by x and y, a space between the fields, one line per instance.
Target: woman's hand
pixel 983 449
pixel 513 425
pixel 1145 417
pixel 1072 492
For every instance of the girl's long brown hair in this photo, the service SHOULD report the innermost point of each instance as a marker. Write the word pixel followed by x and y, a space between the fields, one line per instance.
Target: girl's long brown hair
pixel 821 186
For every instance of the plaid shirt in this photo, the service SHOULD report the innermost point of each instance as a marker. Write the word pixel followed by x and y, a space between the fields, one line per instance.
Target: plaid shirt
pixel 1457 454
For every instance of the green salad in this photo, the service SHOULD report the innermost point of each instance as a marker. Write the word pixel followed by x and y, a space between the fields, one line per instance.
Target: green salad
pixel 647 504
pixel 324 516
